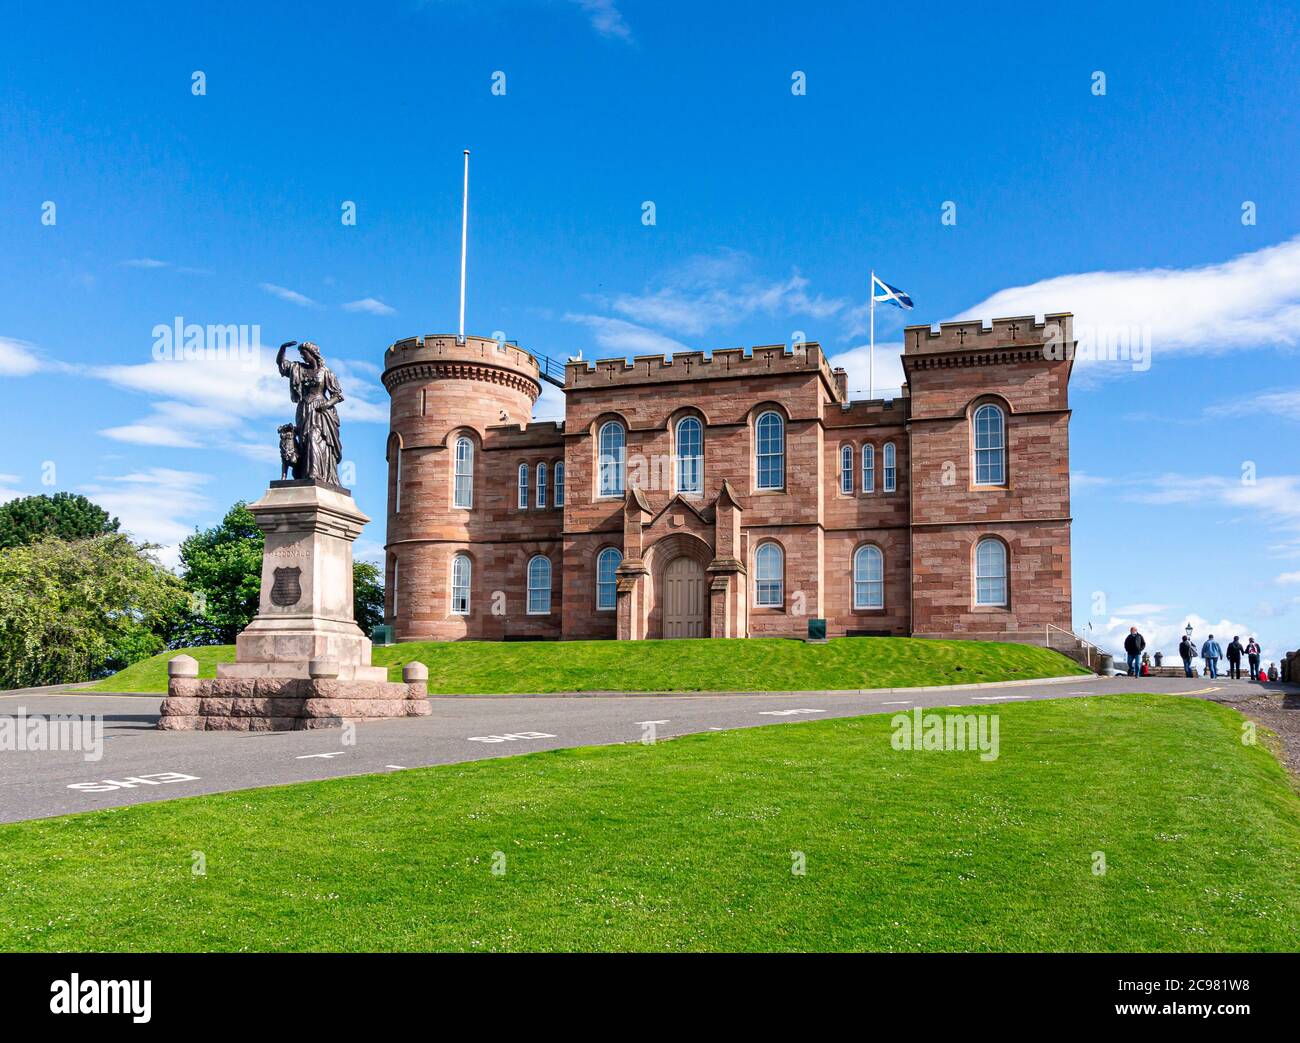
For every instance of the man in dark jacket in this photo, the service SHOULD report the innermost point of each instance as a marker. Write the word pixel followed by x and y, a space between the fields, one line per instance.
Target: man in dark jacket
pixel 1235 649
pixel 1253 654
pixel 1133 645
pixel 1187 651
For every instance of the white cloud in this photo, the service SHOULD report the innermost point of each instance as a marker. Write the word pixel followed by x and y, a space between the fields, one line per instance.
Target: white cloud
pixel 606 18
pixel 1080 480
pixel 695 301
pixel 1248 302
pixel 1284 404
pixel 18 358
pixel 292 296
pixel 370 306
pixel 232 405
pixel 145 262
pixel 1288 577
pixel 857 363
pixel 157 505
pixel 1141 609
pixel 625 338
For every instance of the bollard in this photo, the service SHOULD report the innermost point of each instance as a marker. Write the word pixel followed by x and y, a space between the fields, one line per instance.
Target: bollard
pixel 182 666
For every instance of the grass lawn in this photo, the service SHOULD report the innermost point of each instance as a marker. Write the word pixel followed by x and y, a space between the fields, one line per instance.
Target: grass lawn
pixel 744 665
pixel 686 845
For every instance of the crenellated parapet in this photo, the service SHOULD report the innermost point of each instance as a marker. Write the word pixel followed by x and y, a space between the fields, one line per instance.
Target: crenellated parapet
pixel 724 363
pixel 997 342
pixel 444 356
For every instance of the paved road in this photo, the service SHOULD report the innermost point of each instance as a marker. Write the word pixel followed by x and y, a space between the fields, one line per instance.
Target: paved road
pixel 140 764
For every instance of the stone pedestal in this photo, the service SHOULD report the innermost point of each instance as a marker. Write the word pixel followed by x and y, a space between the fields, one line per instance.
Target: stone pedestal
pixel 302 662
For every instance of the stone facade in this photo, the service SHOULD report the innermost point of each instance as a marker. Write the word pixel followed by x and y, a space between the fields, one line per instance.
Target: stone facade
pixel 775 431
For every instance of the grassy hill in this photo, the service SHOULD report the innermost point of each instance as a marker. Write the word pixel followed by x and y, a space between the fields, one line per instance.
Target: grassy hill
pixel 689 844
pixel 742 665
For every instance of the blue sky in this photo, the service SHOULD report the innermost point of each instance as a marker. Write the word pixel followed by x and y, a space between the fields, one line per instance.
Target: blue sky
pixel 771 207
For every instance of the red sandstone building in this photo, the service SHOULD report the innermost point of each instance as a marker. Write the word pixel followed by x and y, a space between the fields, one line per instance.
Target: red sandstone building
pixel 731 495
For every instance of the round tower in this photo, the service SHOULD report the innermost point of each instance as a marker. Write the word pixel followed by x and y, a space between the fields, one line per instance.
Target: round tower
pixel 444 391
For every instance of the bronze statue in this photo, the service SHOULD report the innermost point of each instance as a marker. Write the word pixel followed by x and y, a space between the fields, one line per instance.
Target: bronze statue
pixel 315 389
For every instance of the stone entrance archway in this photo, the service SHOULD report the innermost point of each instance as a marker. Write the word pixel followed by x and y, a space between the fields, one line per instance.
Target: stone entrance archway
pixel 685 599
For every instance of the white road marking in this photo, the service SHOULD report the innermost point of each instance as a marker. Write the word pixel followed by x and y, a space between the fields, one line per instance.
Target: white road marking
pixel 132 781
pixel 308 756
pixel 395 767
pixel 788 713
pixel 998 698
pixel 903 702
pixel 511 737
pixel 652 722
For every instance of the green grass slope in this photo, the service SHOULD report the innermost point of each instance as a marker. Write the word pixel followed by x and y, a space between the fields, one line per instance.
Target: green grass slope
pixel 744 665
pixel 687 845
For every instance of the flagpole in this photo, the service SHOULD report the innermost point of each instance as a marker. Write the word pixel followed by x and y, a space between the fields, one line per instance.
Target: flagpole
pixel 464 234
pixel 871 369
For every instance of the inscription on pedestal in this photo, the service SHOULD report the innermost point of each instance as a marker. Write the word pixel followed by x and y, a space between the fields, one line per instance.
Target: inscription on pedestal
pixel 286 588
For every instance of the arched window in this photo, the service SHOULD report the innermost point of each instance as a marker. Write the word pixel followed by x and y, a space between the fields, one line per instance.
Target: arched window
pixel 769 576
pixel 990 441
pixel 397 480
pixel 769 451
pixel 612 462
pixel 846 468
pixel 891 471
pixel 541 485
pixel 868 468
pixel 461 568
pixel 523 485
pixel 559 485
pixel 690 456
pixel 607 563
pixel 868 578
pixel 464 491
pixel 539 586
pixel 990 572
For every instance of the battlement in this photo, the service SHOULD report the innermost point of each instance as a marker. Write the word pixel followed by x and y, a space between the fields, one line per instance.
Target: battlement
pixel 447 348
pixel 979 335
pixel 764 360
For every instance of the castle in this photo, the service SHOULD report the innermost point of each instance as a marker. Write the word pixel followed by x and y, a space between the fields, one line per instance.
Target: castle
pixel 735 494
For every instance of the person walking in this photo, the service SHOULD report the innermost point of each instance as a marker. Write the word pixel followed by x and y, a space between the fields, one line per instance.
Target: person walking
pixel 1133 645
pixel 1187 652
pixel 1252 657
pixel 1211 652
pixel 1235 649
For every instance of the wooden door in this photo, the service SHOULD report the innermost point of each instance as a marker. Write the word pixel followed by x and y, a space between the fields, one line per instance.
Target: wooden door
pixel 685 599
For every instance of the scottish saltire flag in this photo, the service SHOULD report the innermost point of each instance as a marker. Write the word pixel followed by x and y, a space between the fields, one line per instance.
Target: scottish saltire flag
pixel 883 293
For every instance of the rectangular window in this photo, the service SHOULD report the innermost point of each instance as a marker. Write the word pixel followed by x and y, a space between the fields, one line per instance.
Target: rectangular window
pixel 891 471
pixel 523 486
pixel 846 469
pixel 559 485
pixel 868 469
pixel 541 485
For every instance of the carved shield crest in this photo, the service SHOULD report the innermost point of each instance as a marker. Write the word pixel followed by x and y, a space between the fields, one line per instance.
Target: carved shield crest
pixel 286 588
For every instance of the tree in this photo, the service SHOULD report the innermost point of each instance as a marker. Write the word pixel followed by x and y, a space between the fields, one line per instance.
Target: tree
pixel 66 516
pixel 76 610
pixel 222 567
pixel 367 596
